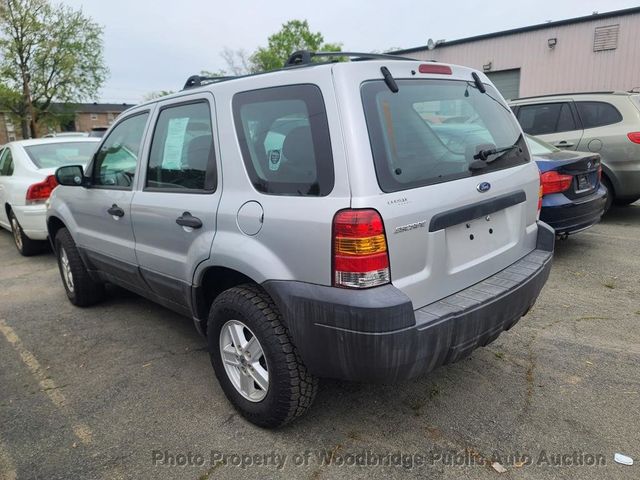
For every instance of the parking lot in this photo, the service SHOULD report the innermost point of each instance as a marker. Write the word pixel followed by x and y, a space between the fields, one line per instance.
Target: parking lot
pixel 124 389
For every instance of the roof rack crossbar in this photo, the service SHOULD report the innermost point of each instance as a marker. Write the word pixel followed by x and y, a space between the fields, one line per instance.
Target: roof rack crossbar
pixel 305 57
pixel 199 80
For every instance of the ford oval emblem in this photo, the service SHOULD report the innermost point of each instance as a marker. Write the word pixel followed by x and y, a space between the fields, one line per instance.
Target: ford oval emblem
pixel 483 187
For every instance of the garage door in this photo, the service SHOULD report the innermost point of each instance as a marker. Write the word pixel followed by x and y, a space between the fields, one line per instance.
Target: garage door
pixel 507 82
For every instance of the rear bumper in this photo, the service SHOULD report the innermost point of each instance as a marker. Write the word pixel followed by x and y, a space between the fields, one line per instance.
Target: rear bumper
pixel 574 215
pixel 32 219
pixel 375 335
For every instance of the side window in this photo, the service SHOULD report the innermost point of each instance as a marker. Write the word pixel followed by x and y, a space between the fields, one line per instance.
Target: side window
pixel 597 114
pixel 116 161
pixel 6 163
pixel 182 155
pixel 546 118
pixel 284 138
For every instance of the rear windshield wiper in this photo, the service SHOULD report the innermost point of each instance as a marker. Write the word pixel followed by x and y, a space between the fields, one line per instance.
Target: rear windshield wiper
pixel 481 159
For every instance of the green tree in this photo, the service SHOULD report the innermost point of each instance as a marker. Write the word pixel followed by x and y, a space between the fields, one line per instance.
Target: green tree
pixel 294 35
pixel 48 53
pixel 156 94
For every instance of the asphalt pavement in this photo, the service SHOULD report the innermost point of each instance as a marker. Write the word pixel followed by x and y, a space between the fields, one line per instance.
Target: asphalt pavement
pixel 125 389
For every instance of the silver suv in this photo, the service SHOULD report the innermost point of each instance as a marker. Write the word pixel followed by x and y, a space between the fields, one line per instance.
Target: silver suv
pixel 607 123
pixel 313 223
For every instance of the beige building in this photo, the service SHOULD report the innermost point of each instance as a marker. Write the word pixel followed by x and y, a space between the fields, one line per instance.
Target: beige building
pixel 599 52
pixel 73 117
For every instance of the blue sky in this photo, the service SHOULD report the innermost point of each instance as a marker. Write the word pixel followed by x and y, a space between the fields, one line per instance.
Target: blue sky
pixel 155 45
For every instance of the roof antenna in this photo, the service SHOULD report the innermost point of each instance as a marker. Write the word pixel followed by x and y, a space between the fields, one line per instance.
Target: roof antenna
pixel 389 80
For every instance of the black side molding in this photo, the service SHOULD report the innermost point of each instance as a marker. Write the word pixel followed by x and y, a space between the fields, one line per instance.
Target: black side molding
pixel 464 214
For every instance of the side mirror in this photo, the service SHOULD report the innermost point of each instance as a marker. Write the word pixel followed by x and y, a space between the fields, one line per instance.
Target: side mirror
pixel 70 176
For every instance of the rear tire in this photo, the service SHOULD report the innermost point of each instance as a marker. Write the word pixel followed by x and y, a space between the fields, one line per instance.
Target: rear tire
pixel 610 193
pixel 289 389
pixel 81 289
pixel 26 247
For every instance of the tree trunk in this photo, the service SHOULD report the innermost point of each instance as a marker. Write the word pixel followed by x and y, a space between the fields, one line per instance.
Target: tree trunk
pixel 26 95
pixel 24 126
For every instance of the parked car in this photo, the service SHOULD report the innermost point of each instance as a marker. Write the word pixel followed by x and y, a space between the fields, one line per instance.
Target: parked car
pixel 66 134
pixel 344 239
pixel 607 123
pixel 98 132
pixel 26 180
pixel 573 199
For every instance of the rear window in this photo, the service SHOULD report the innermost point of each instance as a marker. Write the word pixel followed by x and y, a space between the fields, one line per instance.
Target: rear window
pixel 284 138
pixel 430 130
pixel 597 114
pixel 54 155
pixel 538 147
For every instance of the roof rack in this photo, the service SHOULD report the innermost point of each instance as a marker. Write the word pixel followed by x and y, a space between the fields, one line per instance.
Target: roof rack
pixel 305 57
pixel 199 80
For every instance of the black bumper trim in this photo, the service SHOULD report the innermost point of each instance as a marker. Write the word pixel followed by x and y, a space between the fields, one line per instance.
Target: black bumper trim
pixel 477 210
pixel 375 335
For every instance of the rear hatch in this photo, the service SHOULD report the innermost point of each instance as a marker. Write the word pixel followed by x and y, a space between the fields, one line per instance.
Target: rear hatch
pixel 451 219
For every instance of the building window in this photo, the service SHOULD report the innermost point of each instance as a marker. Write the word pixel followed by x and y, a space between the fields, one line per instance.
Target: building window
pixel 606 38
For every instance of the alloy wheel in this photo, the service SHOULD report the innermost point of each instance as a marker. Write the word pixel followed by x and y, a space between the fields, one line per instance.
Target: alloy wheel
pixel 244 360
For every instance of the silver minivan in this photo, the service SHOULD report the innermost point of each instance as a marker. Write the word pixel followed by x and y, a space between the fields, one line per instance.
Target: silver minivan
pixel 365 220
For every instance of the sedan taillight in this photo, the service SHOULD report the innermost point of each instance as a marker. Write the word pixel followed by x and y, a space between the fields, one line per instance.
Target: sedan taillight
pixel 554 182
pixel 41 191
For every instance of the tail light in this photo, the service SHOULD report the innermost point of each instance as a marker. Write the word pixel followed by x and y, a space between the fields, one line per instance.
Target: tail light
pixel 40 192
pixel 360 256
pixel 634 137
pixel 554 182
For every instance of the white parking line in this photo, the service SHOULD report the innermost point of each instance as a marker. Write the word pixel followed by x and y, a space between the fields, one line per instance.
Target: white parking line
pixel 48 386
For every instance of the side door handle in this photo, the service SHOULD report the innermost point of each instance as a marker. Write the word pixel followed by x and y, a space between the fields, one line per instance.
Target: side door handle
pixel 188 220
pixel 116 211
pixel 563 144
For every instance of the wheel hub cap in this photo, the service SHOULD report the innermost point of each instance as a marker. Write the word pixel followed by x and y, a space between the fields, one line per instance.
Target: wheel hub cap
pixel 244 360
pixel 65 268
pixel 16 233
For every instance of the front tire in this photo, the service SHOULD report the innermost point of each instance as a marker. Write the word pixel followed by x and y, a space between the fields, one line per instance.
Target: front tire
pixel 26 247
pixel 254 359
pixel 81 289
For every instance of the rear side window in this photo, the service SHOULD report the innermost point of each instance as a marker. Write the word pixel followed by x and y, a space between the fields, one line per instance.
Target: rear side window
pixel 284 138
pixel 431 131
pixel 597 114
pixel 6 163
pixel 541 119
pixel 181 155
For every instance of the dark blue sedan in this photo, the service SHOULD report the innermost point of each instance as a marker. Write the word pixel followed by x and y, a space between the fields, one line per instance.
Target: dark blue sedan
pixel 572 197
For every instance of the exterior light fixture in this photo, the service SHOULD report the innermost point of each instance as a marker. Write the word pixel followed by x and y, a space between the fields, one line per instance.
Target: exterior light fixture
pixel 552 42
pixel 487 66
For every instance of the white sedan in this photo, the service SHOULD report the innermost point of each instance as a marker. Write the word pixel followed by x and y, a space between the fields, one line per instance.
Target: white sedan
pixel 27 179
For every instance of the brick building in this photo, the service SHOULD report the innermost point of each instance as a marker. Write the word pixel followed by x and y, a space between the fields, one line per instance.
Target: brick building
pixel 72 117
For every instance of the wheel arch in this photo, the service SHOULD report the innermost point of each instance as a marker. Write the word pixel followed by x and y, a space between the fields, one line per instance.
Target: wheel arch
pixel 212 282
pixel 54 224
